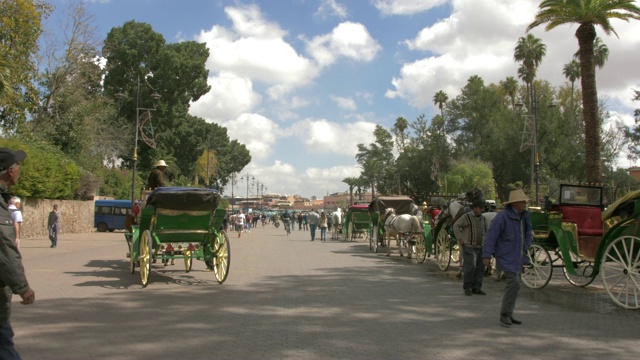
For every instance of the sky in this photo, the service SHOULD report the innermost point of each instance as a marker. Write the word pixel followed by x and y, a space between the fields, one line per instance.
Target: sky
pixel 302 82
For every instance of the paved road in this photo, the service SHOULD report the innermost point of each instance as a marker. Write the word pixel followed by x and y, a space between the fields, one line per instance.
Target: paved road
pixel 289 298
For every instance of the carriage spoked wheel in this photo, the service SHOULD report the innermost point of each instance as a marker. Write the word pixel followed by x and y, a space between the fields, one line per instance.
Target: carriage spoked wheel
pixel 188 261
pixel 222 257
pixel 537 273
pixel 374 239
pixel 144 257
pixel 421 248
pixel 584 270
pixel 621 271
pixel 443 250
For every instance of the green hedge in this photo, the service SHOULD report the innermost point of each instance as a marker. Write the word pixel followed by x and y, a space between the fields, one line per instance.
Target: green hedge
pixel 46 173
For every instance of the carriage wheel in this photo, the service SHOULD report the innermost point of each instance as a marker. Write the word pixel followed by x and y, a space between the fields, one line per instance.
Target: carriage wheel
pixel 222 257
pixel 365 235
pixel 374 239
pixel 188 261
pixel 583 268
pixel 421 248
pixel 144 257
pixel 443 250
pixel 621 271
pixel 455 253
pixel 132 261
pixel 350 231
pixel 537 274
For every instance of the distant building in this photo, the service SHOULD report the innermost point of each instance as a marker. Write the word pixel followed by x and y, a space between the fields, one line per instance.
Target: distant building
pixel 635 172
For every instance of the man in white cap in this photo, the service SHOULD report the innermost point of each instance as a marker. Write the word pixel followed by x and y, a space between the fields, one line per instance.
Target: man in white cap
pixel 508 239
pixel 156 179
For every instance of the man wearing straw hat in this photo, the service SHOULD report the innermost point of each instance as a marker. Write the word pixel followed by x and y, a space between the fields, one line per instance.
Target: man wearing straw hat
pixel 156 179
pixel 508 239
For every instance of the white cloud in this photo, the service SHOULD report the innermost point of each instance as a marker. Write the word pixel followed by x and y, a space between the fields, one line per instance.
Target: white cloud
pixel 326 137
pixel 254 48
pixel 331 8
pixel 348 39
pixel 229 97
pixel 257 132
pixel 467 43
pixel 344 103
pixel 406 7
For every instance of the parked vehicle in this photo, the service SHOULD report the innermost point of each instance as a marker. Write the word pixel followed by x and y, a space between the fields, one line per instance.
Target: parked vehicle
pixel 110 214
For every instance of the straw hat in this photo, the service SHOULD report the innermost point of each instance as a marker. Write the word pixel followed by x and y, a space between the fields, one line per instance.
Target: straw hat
pixel 516 196
pixel 161 163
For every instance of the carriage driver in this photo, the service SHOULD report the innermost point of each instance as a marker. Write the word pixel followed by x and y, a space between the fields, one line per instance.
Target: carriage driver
pixel 156 178
pixel 469 230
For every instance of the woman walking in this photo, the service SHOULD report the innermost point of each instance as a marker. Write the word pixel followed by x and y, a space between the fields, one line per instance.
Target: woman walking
pixel 322 224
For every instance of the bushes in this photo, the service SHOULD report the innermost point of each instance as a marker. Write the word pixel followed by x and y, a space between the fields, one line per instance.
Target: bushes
pixel 46 173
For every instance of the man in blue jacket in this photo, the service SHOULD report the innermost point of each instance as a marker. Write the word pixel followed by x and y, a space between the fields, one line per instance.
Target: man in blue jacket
pixel 508 240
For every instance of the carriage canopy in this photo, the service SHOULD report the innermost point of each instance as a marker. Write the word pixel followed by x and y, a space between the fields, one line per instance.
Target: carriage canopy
pixel 401 204
pixel 196 199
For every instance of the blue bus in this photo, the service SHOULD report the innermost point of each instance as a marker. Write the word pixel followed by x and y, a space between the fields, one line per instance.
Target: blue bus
pixel 110 214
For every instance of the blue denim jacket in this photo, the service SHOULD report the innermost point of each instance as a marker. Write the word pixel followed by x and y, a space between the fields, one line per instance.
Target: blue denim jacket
pixel 504 239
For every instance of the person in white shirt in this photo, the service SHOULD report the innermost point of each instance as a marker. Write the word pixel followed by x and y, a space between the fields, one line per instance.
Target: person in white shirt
pixel 240 223
pixel 16 214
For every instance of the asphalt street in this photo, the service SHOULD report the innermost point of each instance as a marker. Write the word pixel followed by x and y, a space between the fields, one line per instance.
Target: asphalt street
pixel 289 298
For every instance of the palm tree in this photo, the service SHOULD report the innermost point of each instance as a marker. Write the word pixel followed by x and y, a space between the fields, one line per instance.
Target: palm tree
pixel 510 87
pixel 370 169
pixel 589 14
pixel 571 71
pixel 352 182
pixel 440 99
pixel 530 50
pixel 600 52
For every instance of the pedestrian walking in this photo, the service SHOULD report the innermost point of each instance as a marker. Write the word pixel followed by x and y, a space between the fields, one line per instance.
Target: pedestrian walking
pixel 469 230
pixel 53 224
pixel 508 240
pixel 323 224
pixel 16 215
pixel 240 223
pixel 312 219
pixel 12 275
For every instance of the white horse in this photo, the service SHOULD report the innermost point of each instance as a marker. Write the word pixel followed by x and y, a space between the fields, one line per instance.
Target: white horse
pixel 400 225
pixel 336 220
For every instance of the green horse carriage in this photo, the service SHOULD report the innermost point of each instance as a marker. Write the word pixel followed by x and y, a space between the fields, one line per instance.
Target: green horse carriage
pixel 357 222
pixel 180 223
pixel 578 236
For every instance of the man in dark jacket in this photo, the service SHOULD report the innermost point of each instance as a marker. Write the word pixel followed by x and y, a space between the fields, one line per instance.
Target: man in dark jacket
pixel 508 239
pixel 156 178
pixel 12 277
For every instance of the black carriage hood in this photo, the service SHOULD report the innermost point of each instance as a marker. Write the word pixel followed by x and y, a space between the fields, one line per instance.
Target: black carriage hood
pixel 401 204
pixel 196 199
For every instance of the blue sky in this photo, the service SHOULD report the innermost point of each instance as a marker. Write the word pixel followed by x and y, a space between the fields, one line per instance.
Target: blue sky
pixel 302 82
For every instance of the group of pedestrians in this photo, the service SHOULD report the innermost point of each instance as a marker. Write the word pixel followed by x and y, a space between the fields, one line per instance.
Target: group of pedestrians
pixel 508 239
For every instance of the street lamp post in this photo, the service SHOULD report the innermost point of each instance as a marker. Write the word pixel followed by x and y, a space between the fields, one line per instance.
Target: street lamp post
pixel 535 155
pixel 155 96
pixel 247 177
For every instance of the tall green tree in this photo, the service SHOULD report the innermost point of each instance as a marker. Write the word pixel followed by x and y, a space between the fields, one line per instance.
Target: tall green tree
pixel 440 99
pixel 571 71
pixel 510 87
pixel 20 29
pixel 589 14
pixel 529 50
pixel 351 182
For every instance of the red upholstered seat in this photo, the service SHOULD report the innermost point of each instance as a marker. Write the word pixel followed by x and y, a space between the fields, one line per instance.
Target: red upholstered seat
pixel 587 218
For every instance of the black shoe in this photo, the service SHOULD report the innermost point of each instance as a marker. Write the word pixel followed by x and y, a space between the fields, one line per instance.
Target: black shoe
pixel 515 322
pixel 505 321
pixel 478 292
pixel 467 292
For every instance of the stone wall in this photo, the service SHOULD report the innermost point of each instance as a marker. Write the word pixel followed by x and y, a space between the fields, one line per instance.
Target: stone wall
pixel 75 217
